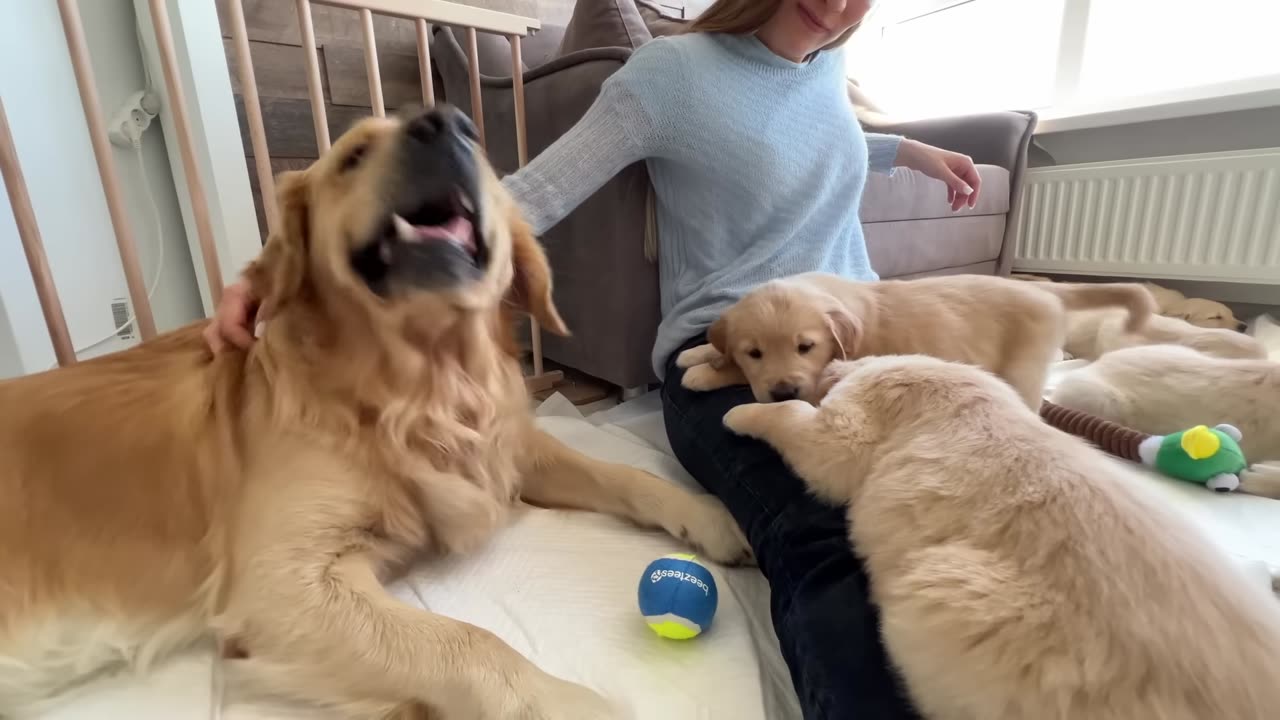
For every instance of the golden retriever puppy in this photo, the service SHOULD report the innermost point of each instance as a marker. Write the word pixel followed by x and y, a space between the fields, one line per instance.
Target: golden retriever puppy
pixel 1094 333
pixel 1196 311
pixel 162 495
pixel 1020 573
pixel 1161 389
pixel 780 336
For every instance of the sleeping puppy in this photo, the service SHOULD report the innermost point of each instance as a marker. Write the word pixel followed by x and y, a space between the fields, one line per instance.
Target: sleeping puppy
pixel 1161 389
pixel 1094 333
pixel 1019 572
pixel 1196 311
pixel 163 496
pixel 780 336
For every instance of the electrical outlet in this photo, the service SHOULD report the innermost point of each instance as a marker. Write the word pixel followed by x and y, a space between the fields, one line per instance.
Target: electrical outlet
pixel 129 122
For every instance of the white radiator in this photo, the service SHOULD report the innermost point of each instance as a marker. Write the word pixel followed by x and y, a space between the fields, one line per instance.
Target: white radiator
pixel 1197 217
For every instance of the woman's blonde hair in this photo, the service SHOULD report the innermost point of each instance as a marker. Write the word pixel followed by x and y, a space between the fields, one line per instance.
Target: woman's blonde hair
pixel 746 17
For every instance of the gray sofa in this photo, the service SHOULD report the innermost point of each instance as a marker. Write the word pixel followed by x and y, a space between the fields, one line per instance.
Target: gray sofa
pixel 605 287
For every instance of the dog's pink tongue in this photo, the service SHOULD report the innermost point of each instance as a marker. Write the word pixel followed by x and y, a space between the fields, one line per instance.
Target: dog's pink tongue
pixel 457 231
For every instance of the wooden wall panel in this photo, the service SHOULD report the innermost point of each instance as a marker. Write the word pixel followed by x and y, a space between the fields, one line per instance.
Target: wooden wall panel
pixel 280 70
pixel 348 84
pixel 290 132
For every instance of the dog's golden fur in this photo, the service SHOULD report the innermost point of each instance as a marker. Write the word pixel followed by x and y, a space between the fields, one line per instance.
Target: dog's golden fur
pixel 780 337
pixel 162 495
pixel 1020 573
pixel 1162 389
pixel 1093 333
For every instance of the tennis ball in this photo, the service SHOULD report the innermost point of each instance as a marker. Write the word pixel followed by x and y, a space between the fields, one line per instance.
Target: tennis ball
pixel 677 596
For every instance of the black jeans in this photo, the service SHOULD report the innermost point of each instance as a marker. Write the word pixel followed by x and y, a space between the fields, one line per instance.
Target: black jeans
pixel 828 629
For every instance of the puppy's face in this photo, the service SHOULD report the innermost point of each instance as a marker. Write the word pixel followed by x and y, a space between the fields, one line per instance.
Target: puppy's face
pixel 782 337
pixel 402 223
pixel 1205 313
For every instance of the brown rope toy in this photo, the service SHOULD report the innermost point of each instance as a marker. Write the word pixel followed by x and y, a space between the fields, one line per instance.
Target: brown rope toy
pixel 1201 455
pixel 1112 438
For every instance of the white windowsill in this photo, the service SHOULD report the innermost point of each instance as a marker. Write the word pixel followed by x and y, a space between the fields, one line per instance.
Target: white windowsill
pixel 1246 94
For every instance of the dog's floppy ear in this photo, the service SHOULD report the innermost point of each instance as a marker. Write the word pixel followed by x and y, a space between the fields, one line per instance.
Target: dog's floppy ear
pixel 845 330
pixel 531 281
pixel 718 336
pixel 278 273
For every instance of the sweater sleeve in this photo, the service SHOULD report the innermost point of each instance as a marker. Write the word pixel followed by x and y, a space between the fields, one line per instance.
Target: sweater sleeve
pixel 882 151
pixel 621 127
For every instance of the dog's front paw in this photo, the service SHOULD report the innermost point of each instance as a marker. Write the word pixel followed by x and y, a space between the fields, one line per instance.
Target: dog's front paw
pixel 713 533
pixel 702 378
pixel 745 419
pixel 697 356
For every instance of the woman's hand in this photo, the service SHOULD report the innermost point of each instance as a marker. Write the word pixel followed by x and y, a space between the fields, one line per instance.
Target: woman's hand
pixel 233 320
pixel 954 169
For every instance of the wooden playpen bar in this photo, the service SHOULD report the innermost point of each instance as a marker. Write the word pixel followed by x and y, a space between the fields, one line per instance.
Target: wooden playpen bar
pixel 423 13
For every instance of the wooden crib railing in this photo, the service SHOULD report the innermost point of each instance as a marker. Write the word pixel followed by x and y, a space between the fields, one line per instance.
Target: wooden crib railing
pixel 422 12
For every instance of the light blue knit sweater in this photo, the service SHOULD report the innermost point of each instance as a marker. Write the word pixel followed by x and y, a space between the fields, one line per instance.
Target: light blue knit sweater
pixel 757 163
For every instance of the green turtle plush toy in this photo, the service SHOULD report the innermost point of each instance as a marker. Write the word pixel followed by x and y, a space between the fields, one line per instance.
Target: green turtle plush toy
pixel 1209 456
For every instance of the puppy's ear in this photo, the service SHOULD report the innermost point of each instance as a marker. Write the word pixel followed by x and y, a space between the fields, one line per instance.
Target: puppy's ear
pixel 718 336
pixel 278 273
pixel 846 330
pixel 531 282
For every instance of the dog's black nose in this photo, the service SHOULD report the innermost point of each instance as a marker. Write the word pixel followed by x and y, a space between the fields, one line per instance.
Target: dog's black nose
pixel 784 391
pixel 1242 326
pixel 433 124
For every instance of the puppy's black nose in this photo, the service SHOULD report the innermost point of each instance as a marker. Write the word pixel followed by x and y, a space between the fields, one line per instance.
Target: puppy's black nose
pixel 441 122
pixel 784 391
pixel 1241 326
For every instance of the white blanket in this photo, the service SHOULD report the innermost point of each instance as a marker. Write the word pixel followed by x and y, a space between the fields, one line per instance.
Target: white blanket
pixel 561 588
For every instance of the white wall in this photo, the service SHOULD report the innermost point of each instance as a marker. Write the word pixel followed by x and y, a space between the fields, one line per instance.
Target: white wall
pixel 57 159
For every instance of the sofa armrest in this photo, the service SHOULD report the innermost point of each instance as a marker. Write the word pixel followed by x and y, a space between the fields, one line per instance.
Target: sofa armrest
pixel 999 138
pixel 561 64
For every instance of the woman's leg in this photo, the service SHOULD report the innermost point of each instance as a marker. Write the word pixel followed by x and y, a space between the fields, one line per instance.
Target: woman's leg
pixel 826 624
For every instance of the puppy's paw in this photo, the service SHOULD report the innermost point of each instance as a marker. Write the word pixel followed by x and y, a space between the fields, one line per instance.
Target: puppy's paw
pixel 697 356
pixel 746 419
pixel 713 533
pixel 702 378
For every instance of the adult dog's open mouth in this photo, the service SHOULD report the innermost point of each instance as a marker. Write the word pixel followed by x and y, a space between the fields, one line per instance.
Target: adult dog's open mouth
pixel 432 237
pixel 451 220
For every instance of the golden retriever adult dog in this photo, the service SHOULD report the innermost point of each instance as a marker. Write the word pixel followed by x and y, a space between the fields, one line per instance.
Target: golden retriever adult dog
pixel 781 335
pixel 1020 573
pixel 163 495
pixel 1094 333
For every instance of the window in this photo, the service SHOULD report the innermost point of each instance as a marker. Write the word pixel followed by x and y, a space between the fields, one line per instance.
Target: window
pixel 1149 46
pixel 939 57
pixel 961 57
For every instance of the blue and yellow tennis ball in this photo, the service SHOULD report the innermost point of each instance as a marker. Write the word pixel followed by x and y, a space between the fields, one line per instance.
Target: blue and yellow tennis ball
pixel 678 596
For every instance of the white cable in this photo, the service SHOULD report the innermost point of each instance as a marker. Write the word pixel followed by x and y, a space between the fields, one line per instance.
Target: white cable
pixel 159 242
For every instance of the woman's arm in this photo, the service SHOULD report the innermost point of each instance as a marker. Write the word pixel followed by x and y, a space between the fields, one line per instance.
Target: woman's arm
pixel 614 133
pixel 882 152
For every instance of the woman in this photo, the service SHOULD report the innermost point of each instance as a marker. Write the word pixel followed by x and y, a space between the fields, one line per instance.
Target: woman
pixel 758 165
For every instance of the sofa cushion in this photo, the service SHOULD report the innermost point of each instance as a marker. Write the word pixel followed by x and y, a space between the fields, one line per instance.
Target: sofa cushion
pixel 914 247
pixel 604 23
pixel 912 195
pixel 659 22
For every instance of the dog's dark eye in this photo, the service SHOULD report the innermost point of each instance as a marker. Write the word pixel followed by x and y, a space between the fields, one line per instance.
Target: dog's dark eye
pixel 804 347
pixel 353 158
pixel 755 354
